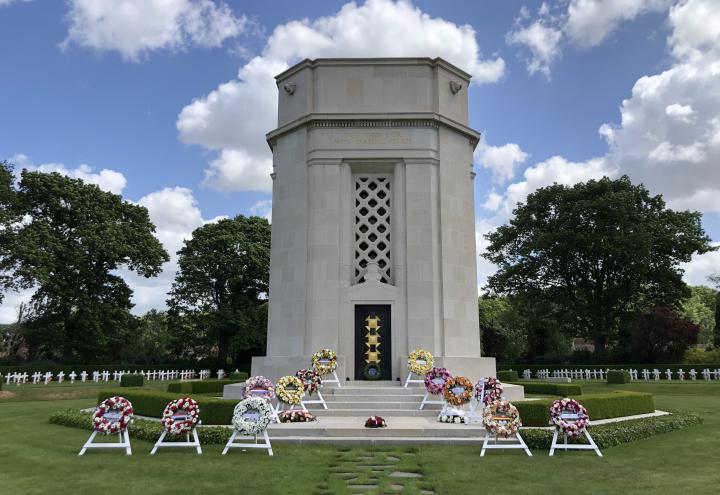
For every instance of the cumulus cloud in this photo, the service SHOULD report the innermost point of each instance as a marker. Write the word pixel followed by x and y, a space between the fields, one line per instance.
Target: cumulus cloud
pixel 701 266
pixel 262 208
pixel 501 160
pixel 542 41
pixel 232 119
pixel 107 180
pixel 590 22
pixel 8 2
pixel 134 28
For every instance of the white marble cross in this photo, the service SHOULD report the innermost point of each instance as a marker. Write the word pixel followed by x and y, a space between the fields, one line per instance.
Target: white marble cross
pixel 656 374
pixel 693 374
pixel 48 377
pixel 633 375
pixel 24 377
pixel 668 374
pixel 681 374
pixel 527 374
pixel 706 374
pixel 72 376
pixel 61 376
pixel 645 374
pixel 116 376
pixel 716 373
pixel 221 374
pixel 106 375
pixel 8 377
pixel 96 376
pixel 83 376
pixel 36 377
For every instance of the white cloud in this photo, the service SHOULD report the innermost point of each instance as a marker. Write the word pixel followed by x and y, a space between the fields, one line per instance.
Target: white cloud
pixel 3 3
pixel 262 208
pixel 135 27
pixel 590 22
pixel 501 160
pixel 696 30
pixel 683 113
pixel 107 180
pixel 232 120
pixel 701 266
pixel 485 268
pixel 543 42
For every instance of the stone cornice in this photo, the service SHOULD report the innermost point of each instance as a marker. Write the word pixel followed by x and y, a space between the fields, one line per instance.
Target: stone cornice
pixel 424 120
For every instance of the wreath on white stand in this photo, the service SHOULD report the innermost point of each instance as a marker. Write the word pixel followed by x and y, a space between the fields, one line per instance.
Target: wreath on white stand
pixel 501 418
pixel 113 415
pixel 324 361
pixel 492 388
pixel 181 416
pixel 252 416
pixel 311 380
pixel 435 380
pixel 290 390
pixel 420 362
pixel 570 428
pixel 259 386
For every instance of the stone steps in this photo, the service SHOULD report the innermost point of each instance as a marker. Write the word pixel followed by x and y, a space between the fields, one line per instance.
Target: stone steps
pixel 360 410
pixel 370 404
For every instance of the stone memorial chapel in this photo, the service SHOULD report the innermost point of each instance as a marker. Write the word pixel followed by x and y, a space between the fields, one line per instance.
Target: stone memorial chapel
pixel 373 219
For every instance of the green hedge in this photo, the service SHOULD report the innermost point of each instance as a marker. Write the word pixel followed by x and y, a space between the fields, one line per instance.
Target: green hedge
pixel 152 403
pixel 548 388
pixel 200 386
pixel 608 435
pixel 508 376
pixel 599 406
pixel 79 368
pixel 662 367
pixel 238 375
pixel 128 380
pixel 618 376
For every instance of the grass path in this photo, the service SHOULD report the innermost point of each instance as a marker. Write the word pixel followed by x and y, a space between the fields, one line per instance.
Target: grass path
pixel 36 457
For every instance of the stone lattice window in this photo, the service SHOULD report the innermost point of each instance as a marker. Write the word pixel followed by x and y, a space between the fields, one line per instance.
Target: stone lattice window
pixel 372 225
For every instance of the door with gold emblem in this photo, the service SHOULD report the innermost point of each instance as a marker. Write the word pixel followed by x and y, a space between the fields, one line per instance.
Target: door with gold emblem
pixel 373 353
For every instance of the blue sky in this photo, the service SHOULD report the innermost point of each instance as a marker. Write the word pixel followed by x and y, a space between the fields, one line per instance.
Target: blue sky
pixel 93 85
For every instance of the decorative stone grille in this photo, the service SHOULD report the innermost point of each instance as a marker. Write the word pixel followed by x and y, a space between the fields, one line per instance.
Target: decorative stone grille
pixel 372 225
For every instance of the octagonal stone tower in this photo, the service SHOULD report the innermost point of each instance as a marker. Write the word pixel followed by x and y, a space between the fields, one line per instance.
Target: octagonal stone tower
pixel 373 219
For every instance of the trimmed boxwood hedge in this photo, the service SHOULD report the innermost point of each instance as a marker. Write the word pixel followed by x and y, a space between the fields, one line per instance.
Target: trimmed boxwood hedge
pixel 508 376
pixel 618 376
pixel 608 435
pixel 662 367
pixel 548 388
pixel 128 380
pixel 238 375
pixel 599 406
pixel 200 386
pixel 152 403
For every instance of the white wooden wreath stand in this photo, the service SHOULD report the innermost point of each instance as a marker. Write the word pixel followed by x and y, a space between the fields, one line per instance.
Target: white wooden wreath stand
pixel 187 443
pixel 335 379
pixel 231 443
pixel 124 443
pixel 477 401
pixel 510 443
pixel 408 381
pixel 319 400
pixel 591 445
pixel 425 401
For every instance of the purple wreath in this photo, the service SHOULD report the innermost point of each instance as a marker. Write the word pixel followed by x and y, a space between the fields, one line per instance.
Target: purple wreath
pixel 435 374
pixel 493 390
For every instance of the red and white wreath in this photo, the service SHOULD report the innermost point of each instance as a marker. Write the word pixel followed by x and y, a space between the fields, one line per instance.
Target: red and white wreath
pixel 569 416
pixel 181 416
pixel 113 415
pixel 435 380
pixel 311 380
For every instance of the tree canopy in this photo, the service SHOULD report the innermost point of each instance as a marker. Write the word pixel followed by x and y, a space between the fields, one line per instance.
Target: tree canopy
pixel 222 282
pixel 595 253
pixel 68 240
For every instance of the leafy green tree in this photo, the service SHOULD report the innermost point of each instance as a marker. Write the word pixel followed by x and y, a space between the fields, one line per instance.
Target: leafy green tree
pixel 595 252
pixel 700 309
pixel 222 282
pixel 72 241
pixel 152 341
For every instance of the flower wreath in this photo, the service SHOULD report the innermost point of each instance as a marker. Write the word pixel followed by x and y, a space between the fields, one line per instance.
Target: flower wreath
pixel 252 415
pixel 570 428
pixel 324 361
pixel 188 418
pixel 493 390
pixel 296 417
pixel 452 393
pixel 113 415
pixel 501 418
pixel 289 389
pixel 435 380
pixel 420 361
pixel 311 380
pixel 452 418
pixel 375 422
pixel 259 386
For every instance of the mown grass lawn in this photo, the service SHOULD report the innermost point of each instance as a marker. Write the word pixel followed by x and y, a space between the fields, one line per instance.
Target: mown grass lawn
pixel 37 457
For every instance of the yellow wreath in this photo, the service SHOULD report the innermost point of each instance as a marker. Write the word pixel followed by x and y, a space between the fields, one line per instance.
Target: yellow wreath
pixel 289 389
pixel 324 361
pixel 420 362
pixel 501 418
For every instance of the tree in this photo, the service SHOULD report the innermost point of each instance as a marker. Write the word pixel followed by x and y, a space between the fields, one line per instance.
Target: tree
pixel 596 252
pixel 72 241
pixel 222 282
pixel 700 309
pixel 660 336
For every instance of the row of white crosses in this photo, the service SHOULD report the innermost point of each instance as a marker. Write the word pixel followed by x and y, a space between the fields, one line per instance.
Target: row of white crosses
pixel 647 375
pixel 18 378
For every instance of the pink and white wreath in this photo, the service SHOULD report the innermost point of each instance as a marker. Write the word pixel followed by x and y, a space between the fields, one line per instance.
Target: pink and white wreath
pixel 181 416
pixel 577 425
pixel 493 390
pixel 113 415
pixel 259 386
pixel 435 380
